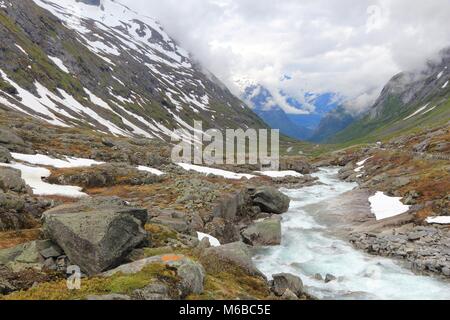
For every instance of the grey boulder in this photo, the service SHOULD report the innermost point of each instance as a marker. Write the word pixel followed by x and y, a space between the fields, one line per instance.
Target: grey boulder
pixel 5 156
pixel 236 253
pixel 264 232
pixel 271 200
pixel 287 281
pixel 11 180
pixel 96 239
pixel 191 274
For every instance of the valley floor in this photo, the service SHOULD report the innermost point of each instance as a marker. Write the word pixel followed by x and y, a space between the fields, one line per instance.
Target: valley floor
pixel 191 235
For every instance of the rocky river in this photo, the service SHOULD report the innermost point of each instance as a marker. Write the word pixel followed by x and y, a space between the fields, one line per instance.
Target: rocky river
pixel 314 248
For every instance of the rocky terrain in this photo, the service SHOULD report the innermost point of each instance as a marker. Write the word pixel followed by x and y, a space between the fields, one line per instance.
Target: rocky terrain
pixel 135 233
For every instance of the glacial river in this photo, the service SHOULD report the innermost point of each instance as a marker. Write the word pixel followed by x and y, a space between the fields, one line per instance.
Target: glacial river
pixel 309 248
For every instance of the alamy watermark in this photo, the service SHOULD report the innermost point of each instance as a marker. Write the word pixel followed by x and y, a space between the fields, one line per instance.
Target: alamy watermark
pixel 230 146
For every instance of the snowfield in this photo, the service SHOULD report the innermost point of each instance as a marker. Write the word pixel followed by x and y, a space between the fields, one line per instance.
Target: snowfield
pixel 212 241
pixel 151 170
pixel 33 178
pixel 43 160
pixel 384 207
pixel 439 220
pixel 216 172
pixel 280 174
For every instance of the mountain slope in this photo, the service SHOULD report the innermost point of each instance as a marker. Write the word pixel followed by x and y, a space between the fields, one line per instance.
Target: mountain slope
pixel 410 100
pixel 106 68
pixel 334 122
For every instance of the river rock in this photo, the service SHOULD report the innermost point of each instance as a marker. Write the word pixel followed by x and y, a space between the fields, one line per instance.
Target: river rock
pixel 96 238
pixel 287 281
pixel 329 278
pixel 265 232
pixel 270 200
pixel 289 296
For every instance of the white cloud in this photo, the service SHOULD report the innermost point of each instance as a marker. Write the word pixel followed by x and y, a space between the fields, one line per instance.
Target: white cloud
pixel 352 47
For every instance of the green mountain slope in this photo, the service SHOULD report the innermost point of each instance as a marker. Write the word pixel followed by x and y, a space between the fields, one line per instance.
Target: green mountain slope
pixel 411 100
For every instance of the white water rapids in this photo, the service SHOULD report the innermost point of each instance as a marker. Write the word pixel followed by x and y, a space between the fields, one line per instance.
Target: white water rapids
pixel 307 249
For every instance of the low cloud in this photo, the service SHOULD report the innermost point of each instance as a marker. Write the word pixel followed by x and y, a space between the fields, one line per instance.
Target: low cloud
pixel 351 47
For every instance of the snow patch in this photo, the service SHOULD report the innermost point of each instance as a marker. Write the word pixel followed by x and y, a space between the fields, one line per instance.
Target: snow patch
pixel 65 162
pixel 439 220
pixel 33 178
pixel 151 170
pixel 216 172
pixel 212 241
pixel 384 207
pixel 417 112
pixel 59 64
pixel 445 85
pixel 280 174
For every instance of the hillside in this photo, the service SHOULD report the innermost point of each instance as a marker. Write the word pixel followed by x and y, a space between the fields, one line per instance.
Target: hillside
pixel 106 68
pixel 410 101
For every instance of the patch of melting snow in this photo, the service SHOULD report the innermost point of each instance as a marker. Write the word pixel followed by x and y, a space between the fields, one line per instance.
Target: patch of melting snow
pixel 212 241
pixel 33 178
pixel 280 174
pixel 59 64
pixel 439 220
pixel 65 162
pixel 21 49
pixel 417 112
pixel 445 85
pixel 216 172
pixel 151 170
pixel 384 207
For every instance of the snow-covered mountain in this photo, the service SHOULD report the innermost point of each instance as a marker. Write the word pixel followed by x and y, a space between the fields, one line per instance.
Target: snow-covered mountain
pixel 100 65
pixel 271 107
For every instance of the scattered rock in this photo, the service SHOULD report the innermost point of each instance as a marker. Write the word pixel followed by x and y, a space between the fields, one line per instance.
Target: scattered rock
pixel 5 156
pixel 237 253
pixel 11 180
pixel 25 255
pixel 270 200
pixel 286 281
pixel 289 295
pixel 266 232
pixel 329 278
pixel 96 238
pixel 318 276
pixel 191 274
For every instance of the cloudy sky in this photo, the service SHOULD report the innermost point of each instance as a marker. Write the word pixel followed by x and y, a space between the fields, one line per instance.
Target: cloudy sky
pixel 352 47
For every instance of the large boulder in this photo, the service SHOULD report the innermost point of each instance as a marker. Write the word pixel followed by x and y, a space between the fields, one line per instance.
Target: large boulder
pixel 5 156
pixel 264 232
pixel 7 137
pixel 11 180
pixel 190 273
pixel 236 253
pixel 287 281
pixel 96 238
pixel 270 200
